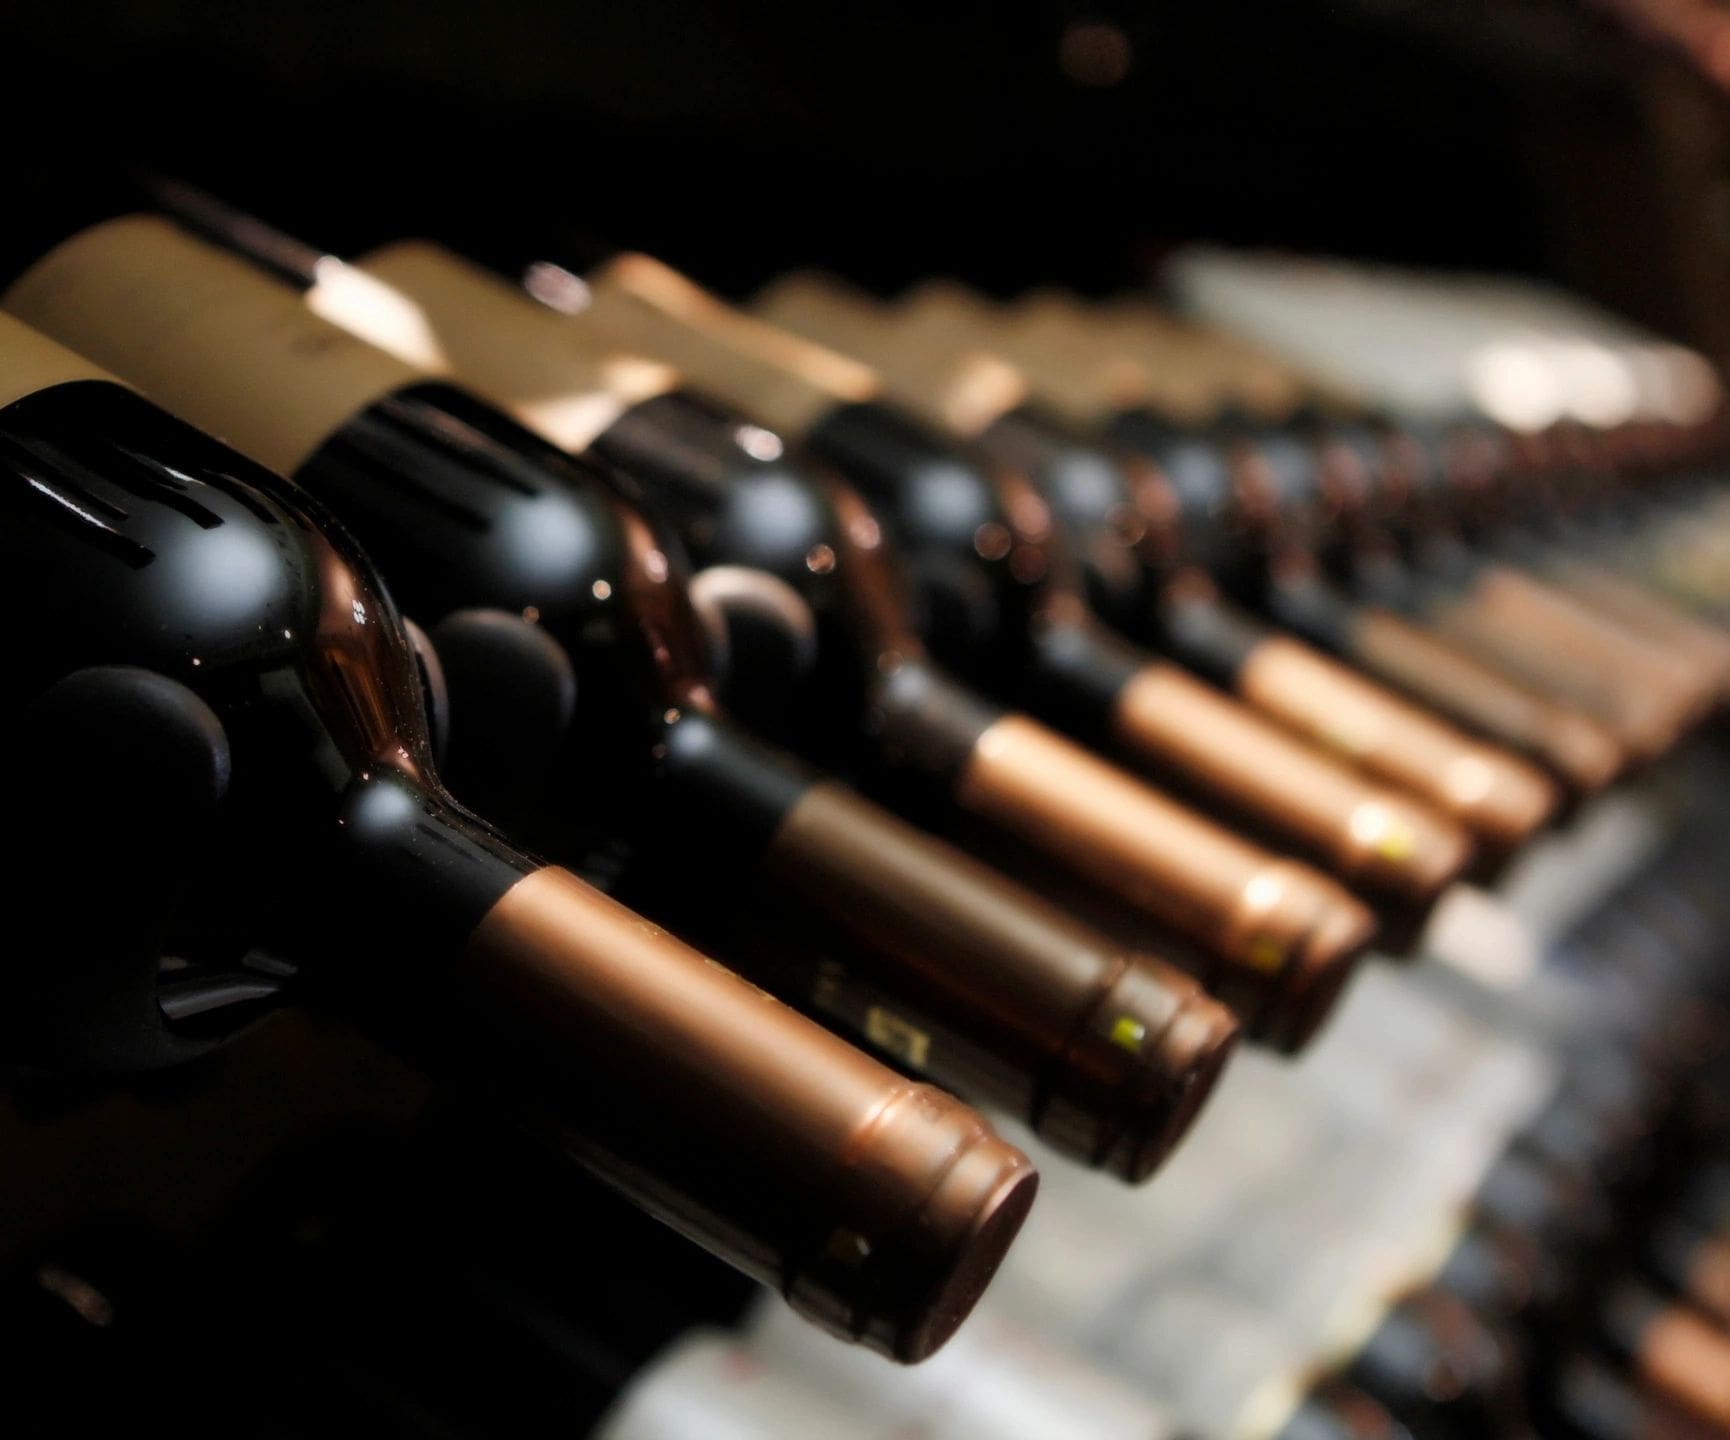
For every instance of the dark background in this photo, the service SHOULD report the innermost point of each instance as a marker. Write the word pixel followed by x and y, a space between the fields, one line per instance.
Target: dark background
pixel 1011 144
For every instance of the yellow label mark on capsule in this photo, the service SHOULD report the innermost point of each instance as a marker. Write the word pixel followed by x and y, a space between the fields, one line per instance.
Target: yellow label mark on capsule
pixel 1374 825
pixel 1349 740
pixel 1266 953
pixel 1335 739
pixel 904 1041
pixel 1127 1033
pixel 1396 843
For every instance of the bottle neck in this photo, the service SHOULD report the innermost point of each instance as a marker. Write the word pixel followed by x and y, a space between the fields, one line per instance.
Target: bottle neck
pixel 416 871
pixel 1209 635
pixel 1077 674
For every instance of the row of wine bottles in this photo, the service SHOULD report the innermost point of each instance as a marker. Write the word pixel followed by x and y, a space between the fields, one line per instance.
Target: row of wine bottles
pixel 1035 757
pixel 1452 1221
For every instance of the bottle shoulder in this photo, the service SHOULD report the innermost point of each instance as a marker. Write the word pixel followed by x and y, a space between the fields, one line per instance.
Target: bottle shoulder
pixel 134 539
pixel 181 542
pixel 463 507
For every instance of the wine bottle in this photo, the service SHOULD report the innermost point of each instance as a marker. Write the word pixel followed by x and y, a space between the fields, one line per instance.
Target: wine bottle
pixel 338 847
pixel 1396 1362
pixel 512 1299
pixel 1429 1149
pixel 1101 384
pixel 1494 600
pixel 1591 582
pixel 416 1329
pixel 1290 499
pixel 1285 491
pixel 994 584
pixel 1557 374
pixel 1020 777
pixel 1108 1052
pixel 1498 797
pixel 1288 932
pixel 1571 525
pixel 1491 610
pixel 1270 509
pixel 1562 512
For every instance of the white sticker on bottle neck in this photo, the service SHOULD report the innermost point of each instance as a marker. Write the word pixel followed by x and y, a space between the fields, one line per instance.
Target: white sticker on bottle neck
pixel 30 362
pixel 564 381
pixel 206 335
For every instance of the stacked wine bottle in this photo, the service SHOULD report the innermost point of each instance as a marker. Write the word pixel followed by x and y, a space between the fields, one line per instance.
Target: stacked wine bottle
pixel 554 747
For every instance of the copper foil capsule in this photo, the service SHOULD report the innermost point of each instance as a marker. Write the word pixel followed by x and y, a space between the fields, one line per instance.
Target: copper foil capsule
pixel 879 1206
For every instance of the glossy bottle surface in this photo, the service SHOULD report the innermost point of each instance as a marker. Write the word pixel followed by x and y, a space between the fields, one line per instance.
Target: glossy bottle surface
pixel 134 540
pixel 540 576
pixel 159 549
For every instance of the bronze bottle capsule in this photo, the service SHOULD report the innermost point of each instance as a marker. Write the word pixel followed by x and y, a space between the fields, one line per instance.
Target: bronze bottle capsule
pixel 925 1198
